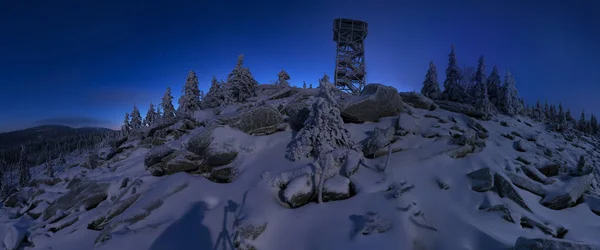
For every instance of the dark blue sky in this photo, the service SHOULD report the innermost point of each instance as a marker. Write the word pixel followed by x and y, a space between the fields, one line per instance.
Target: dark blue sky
pixel 85 63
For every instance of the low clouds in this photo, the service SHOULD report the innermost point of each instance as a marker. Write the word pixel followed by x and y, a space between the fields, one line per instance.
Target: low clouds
pixel 75 121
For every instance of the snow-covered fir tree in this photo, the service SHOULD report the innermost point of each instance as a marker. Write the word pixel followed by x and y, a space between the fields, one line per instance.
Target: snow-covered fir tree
pixel 546 109
pixel 167 106
pixel 453 91
pixel 310 86
pixel 136 118
pixel 482 101
pixel 323 130
pixel 189 101
pixel 304 84
pixel 510 103
pixel 213 97
pixel 151 116
pixel 24 174
pixel 593 125
pixel 282 78
pixel 240 82
pixel 467 81
pixel 561 114
pixel 494 84
pixel 126 127
pixel 582 124
pixel 431 87
pixel 552 114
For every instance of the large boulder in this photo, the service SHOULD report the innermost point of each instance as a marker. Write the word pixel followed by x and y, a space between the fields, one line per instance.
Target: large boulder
pixel 214 152
pixel 299 191
pixel 504 188
pixel 261 120
pixel 375 101
pixel 156 154
pixel 523 243
pixel 418 100
pixel 379 139
pixel 337 188
pixel 567 196
pixel 83 193
pixel 179 162
pixel 482 179
pixel 298 110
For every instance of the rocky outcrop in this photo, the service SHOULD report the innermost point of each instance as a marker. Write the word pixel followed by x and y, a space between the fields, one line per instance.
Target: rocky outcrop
pixel 378 140
pixel 156 154
pixel 523 243
pixel 418 100
pixel 567 196
pixel 261 120
pixel 482 179
pixel 300 191
pixel 461 108
pixel 298 110
pixel 486 179
pixel 376 101
pixel 83 193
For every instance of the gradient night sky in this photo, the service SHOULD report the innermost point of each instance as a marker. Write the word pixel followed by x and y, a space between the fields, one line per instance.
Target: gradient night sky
pixel 85 63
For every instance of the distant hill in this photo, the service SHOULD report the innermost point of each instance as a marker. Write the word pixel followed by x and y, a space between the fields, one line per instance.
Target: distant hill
pixel 44 132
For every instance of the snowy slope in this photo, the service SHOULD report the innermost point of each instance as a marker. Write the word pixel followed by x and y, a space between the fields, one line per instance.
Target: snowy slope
pixel 424 199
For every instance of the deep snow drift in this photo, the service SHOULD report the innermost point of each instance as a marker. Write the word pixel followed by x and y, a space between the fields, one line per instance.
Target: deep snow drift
pixel 427 178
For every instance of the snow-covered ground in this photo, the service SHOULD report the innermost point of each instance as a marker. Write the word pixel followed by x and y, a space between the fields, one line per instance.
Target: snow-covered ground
pixel 423 199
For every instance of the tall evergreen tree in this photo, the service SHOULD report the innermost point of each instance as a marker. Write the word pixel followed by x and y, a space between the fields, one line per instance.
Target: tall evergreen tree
pixel 24 174
pixel 546 109
pixel 453 91
pixel 593 124
pixel 240 82
pixel 431 87
pixel 568 116
pixel 494 84
pixel 126 127
pixel 581 125
pixel 282 78
pixel 167 106
pixel 151 116
pixel 561 113
pixel 136 118
pixel 189 101
pixel 510 103
pixel 482 101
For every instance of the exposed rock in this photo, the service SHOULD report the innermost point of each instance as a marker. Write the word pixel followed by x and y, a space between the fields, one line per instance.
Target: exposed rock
pixel 442 184
pixel 475 125
pixel 461 151
pixel 482 179
pixel 298 110
pixel 337 188
pixel 86 193
pixel 199 143
pixel 259 120
pixel 156 154
pixel 534 174
pixel 219 154
pixel 550 169
pixel 351 163
pixel 531 137
pixel 44 181
pixel 180 163
pixel 284 93
pixel 15 235
pixel 418 100
pixel 223 175
pixel 523 243
pixel 567 196
pixel 503 210
pixel 461 108
pixel 370 223
pixel 594 203
pixel 245 234
pixel 527 222
pixel 467 138
pixel 375 101
pixel 505 188
pixel 379 139
pixel 300 191
pixel 526 184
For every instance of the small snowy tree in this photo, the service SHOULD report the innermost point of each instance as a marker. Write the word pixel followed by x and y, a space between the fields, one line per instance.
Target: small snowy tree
pixel 282 78
pixel 189 101
pixel 213 98
pixel 493 85
pixel 323 130
pixel 24 174
pixel 431 87
pixel 593 124
pixel 126 127
pixel 582 124
pixel 240 82
pixel 304 84
pixel 151 116
pixel 453 91
pixel 136 118
pixel 510 103
pixel 480 93
pixel 561 114
pixel 167 106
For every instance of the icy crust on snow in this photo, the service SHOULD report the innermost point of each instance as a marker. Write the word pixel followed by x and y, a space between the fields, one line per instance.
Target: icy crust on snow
pixel 424 199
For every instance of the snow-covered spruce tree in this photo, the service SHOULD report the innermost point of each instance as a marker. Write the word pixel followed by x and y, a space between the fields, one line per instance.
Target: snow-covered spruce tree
pixel 136 118
pixel 467 81
pixel 581 124
pixel 510 103
pixel 431 87
pixel 561 114
pixel 453 91
pixel 189 101
pixel 493 85
pixel 24 174
pixel 151 116
pixel 167 106
pixel 323 130
pixel 546 109
pixel 240 82
pixel 213 98
pixel 482 101
pixel 126 127
pixel 304 84
pixel 593 125
pixel 282 79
